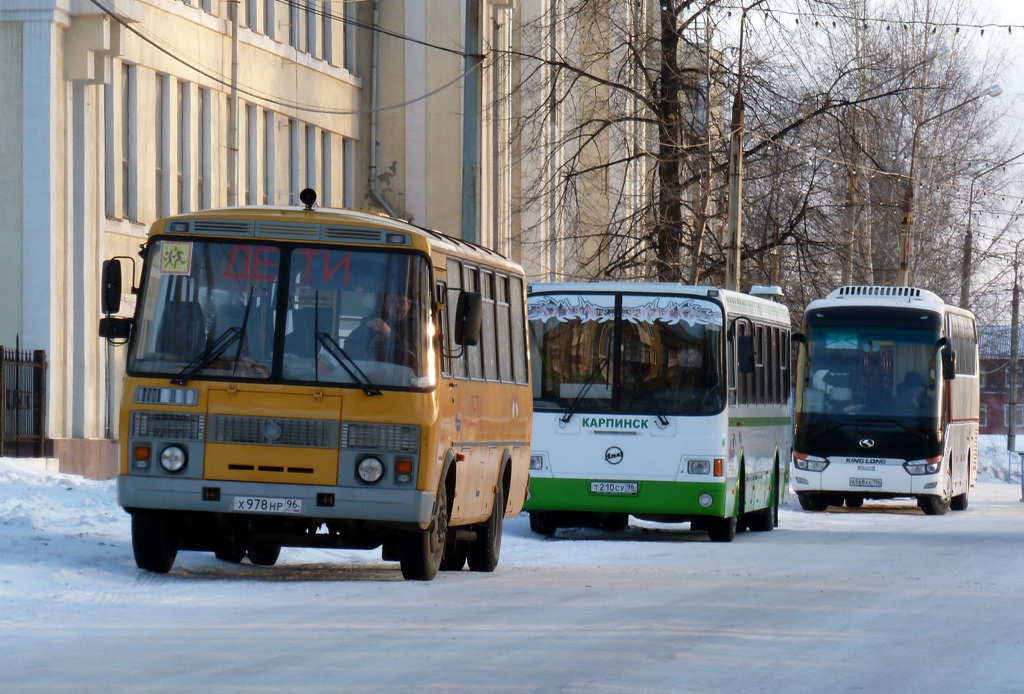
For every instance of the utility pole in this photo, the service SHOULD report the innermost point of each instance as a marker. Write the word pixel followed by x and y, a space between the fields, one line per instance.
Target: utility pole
pixel 1011 416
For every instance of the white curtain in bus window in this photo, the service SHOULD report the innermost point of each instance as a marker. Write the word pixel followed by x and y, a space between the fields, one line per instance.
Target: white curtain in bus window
pixel 670 351
pixel 572 340
pixel 358 317
pixel 208 309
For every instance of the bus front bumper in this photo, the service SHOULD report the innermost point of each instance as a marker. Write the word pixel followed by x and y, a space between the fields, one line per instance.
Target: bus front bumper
pixel 301 501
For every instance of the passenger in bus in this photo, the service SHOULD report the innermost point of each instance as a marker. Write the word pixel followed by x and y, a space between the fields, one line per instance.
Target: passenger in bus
pixel 910 389
pixel 388 336
pixel 688 378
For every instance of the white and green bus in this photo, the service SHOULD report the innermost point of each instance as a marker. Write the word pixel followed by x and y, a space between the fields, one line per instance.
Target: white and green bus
pixel 659 401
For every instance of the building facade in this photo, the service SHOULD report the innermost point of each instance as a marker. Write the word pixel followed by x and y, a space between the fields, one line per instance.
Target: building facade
pixel 119 112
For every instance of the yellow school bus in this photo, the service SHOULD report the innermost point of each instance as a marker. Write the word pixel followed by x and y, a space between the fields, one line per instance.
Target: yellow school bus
pixel 311 377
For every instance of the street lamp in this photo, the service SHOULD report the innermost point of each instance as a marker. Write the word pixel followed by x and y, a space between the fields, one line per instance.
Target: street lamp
pixel 965 269
pixel 908 194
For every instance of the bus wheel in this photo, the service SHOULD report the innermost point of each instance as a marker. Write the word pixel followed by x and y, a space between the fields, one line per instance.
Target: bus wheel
pixel 722 529
pixel 812 502
pixel 933 505
pixel 543 523
pixel 422 550
pixel 854 501
pixel 155 541
pixel 485 549
pixel 959 502
pixel 264 555
pixel 762 521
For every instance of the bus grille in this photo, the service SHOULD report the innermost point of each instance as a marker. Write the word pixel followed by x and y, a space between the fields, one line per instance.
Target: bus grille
pixel 168 425
pixel 396 438
pixel 274 431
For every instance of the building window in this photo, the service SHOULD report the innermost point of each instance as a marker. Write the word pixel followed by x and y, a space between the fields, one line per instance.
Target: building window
pixel 184 146
pixel 348 162
pixel 1018 424
pixel 252 15
pixel 293 160
pixel 269 128
pixel 203 152
pixel 159 158
pixel 311 29
pixel 127 140
pixel 251 147
pixel 326 31
pixel 325 169
pixel 310 181
pixel 270 18
pixel 983 415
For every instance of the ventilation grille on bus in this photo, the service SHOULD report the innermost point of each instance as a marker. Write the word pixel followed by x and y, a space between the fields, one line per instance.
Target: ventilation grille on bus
pixel 287 231
pixel 899 292
pixel 274 431
pixel 222 226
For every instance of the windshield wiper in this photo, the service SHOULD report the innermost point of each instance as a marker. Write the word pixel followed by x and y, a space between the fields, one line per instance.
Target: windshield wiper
pixel 662 419
pixel 341 356
pixel 583 391
pixel 216 349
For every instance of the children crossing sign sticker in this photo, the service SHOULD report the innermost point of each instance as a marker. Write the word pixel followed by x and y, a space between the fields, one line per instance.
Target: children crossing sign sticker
pixel 176 257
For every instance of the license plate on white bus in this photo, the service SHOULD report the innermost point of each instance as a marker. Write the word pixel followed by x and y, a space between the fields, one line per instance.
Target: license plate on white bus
pixel 259 504
pixel 865 482
pixel 625 488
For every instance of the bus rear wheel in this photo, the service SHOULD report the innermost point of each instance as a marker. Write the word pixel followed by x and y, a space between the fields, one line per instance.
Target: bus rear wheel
pixel 486 548
pixel 155 540
pixel 422 550
pixel 959 502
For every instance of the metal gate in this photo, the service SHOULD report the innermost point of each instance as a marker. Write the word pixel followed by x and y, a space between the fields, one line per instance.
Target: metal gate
pixel 23 417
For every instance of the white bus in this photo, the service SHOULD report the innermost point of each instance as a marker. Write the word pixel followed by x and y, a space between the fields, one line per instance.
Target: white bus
pixel 886 400
pixel 665 402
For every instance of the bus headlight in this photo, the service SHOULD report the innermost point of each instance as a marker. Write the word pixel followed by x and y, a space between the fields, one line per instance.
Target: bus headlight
pixel 811 463
pixel 698 467
pixel 370 469
pixel 705 500
pixel 173 458
pixel 923 467
pixel 536 462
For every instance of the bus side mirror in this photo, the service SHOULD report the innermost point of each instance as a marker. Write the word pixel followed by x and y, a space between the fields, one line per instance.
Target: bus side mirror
pixel 110 281
pixel 116 329
pixel 948 364
pixel 469 316
pixel 745 353
pixel 798 339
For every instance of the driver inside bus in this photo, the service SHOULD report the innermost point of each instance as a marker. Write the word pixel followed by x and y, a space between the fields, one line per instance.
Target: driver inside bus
pixel 388 336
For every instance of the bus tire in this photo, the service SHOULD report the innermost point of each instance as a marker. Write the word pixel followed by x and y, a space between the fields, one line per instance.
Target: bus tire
pixel 722 529
pixel 812 502
pixel 263 555
pixel 486 548
pixel 934 505
pixel 422 550
pixel 854 500
pixel 155 540
pixel 959 502
pixel 543 523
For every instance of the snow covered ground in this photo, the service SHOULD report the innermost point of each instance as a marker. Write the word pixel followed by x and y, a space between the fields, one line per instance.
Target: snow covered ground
pixel 879 599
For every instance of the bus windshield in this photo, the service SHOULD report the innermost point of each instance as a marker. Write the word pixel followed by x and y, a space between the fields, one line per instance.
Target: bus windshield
pixel 857 363
pixel 655 355
pixel 213 308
